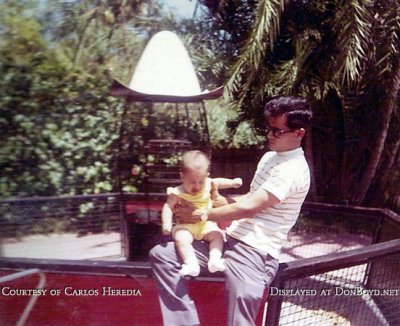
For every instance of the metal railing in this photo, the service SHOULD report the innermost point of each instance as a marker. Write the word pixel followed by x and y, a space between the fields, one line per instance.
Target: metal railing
pixel 342 265
pixel 33 298
pixel 354 287
pixel 30 227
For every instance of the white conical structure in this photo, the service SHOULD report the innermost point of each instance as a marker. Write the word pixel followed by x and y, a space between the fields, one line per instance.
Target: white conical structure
pixel 165 68
pixel 164 73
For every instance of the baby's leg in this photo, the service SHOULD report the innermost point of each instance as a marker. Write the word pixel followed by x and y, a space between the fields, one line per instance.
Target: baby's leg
pixel 183 240
pixel 216 240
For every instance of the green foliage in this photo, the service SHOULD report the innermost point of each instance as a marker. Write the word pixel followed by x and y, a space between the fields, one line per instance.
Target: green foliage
pixel 343 56
pixel 143 122
pixel 58 124
pixel 59 127
pixel 227 132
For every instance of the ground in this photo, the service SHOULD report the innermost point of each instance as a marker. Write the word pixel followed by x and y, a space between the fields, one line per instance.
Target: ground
pixel 64 246
pixel 108 245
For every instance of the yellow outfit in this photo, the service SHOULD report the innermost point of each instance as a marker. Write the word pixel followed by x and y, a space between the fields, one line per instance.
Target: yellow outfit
pixel 200 200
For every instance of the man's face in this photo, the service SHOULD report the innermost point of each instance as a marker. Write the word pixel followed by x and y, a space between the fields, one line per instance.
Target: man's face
pixel 280 137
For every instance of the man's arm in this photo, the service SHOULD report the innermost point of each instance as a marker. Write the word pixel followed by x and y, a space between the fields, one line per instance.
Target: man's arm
pixel 232 209
pixel 244 206
pixel 183 210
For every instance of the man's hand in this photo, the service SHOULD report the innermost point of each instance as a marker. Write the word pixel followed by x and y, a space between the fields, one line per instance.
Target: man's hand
pixel 186 212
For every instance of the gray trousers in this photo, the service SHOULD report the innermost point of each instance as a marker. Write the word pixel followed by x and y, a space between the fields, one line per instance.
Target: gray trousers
pixel 248 272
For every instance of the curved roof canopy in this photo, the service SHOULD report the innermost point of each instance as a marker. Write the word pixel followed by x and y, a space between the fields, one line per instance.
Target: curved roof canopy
pixel 164 73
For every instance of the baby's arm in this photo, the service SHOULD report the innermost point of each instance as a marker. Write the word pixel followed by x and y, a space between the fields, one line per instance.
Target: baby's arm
pixel 224 183
pixel 166 214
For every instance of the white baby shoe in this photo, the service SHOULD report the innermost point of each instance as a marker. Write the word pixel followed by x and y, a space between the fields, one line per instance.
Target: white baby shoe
pixel 216 265
pixel 189 270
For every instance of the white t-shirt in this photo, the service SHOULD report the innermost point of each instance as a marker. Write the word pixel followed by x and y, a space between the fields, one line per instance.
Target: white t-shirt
pixel 286 175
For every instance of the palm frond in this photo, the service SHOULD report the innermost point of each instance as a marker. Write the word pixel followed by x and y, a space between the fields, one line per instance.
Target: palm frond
pixel 308 58
pixel 354 34
pixel 388 36
pixel 263 34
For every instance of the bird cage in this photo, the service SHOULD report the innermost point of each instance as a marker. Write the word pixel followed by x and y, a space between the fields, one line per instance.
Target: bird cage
pixel 165 100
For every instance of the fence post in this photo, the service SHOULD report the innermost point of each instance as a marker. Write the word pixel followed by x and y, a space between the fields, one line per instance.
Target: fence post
pixel 124 227
pixel 274 302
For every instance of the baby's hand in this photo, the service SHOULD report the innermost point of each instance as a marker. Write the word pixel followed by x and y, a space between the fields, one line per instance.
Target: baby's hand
pixel 237 182
pixel 216 198
pixel 166 229
pixel 166 232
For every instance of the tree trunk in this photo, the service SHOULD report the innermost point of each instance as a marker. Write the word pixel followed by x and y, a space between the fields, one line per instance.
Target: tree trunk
pixel 387 107
pixel 394 201
pixel 385 173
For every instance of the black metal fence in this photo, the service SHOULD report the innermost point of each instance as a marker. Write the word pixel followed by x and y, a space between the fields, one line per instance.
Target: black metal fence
pixel 60 226
pixel 360 286
pixel 340 267
pixel 83 214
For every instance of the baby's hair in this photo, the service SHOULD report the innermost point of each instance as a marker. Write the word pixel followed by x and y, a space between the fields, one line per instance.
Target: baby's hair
pixel 194 160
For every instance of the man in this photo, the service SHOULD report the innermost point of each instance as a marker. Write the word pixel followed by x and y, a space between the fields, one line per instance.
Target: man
pixel 261 221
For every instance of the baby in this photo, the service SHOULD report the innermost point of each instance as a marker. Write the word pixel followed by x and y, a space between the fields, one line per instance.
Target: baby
pixel 195 188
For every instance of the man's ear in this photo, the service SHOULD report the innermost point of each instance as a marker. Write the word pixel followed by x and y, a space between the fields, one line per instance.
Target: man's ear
pixel 300 133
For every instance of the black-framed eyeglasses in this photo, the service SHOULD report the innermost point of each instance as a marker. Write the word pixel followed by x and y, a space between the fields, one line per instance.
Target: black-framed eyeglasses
pixel 276 132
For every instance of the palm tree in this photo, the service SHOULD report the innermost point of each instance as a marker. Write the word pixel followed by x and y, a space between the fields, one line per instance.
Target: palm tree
pixel 338 54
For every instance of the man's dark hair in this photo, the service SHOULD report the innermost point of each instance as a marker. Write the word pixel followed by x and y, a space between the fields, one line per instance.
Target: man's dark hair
pixel 296 109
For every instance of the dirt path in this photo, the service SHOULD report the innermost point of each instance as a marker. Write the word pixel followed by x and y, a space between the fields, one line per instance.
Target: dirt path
pixel 64 246
pixel 108 246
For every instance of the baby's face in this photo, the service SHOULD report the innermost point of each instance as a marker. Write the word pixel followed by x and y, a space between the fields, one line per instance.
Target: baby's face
pixel 194 181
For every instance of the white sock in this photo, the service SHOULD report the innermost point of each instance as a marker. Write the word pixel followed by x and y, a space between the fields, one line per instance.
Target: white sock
pixel 189 270
pixel 190 267
pixel 216 263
